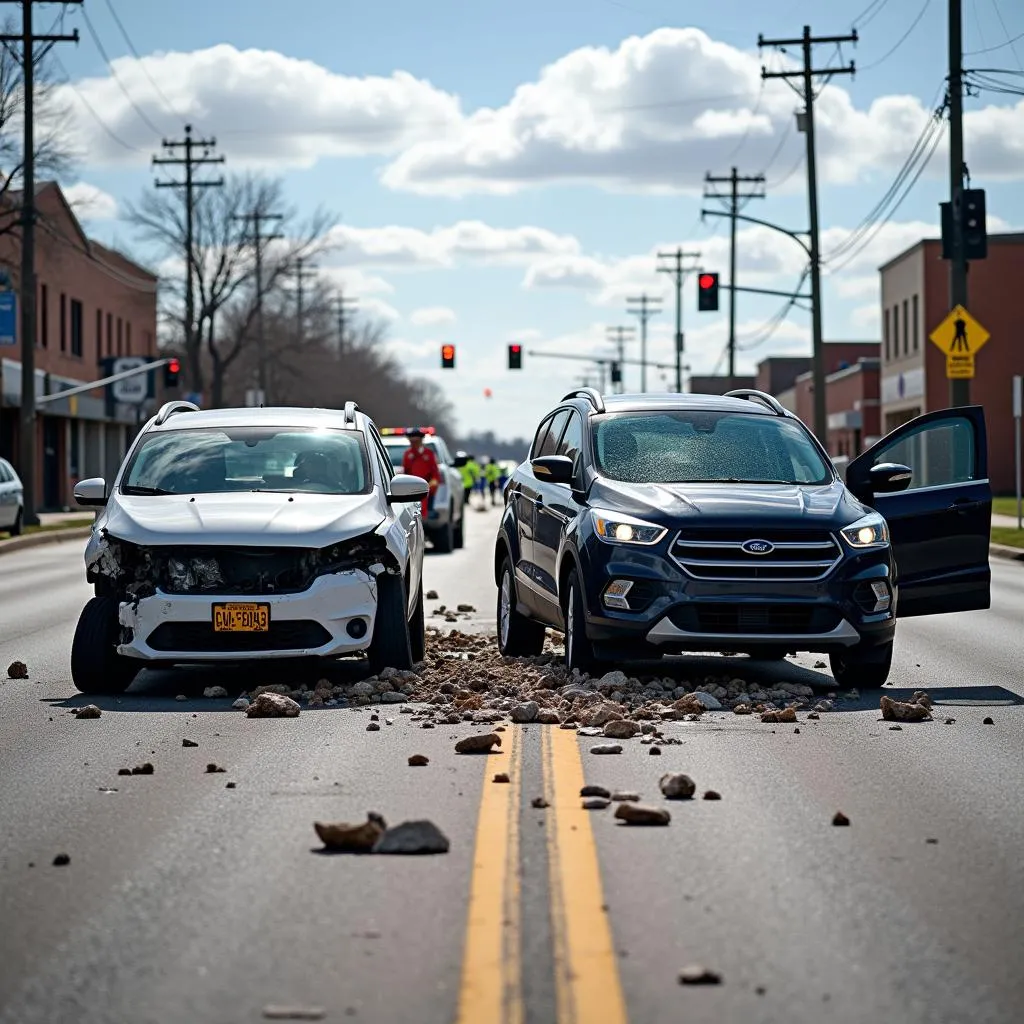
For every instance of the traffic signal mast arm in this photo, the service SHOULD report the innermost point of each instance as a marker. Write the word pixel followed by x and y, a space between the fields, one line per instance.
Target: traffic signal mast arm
pixel 124 375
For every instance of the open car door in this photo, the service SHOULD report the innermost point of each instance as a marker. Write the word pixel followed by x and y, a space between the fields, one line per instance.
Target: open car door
pixel 940 516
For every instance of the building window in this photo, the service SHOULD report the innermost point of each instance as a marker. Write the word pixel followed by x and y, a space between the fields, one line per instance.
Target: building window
pixel 63 322
pixel 76 328
pixel 120 325
pixel 44 319
pixel 885 333
pixel 110 334
pixel 127 338
pixel 917 326
pixel 896 331
pixel 906 331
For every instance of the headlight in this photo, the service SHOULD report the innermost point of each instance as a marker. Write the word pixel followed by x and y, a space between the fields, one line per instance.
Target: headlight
pixel 620 529
pixel 869 532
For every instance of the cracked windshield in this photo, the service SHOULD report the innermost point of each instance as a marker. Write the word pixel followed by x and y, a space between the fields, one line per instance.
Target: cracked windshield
pixel 511 513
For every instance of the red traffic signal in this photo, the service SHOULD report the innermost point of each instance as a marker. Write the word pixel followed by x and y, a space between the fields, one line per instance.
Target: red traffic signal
pixel 447 357
pixel 171 370
pixel 515 357
pixel 707 293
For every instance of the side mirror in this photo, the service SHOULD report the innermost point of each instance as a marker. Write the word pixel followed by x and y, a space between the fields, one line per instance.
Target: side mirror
pixel 554 469
pixel 888 478
pixel 91 492
pixel 406 488
pixel 460 461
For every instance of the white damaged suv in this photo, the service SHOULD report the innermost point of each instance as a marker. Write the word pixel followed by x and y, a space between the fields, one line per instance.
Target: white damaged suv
pixel 247 534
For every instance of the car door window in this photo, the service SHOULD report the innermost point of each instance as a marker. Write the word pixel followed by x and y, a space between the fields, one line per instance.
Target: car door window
pixel 386 469
pixel 938 454
pixel 538 441
pixel 550 443
pixel 5 477
pixel 571 443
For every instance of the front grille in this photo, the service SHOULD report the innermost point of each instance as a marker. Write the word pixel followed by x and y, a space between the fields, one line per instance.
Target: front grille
pixel 754 619
pixel 199 637
pixel 719 555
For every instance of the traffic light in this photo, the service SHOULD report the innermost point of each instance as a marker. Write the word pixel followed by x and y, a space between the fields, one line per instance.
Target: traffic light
pixel 973 219
pixel 171 370
pixel 447 357
pixel 515 357
pixel 616 373
pixel 707 293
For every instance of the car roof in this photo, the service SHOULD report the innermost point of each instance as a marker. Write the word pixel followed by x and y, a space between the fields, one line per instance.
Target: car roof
pixel 274 416
pixel 662 402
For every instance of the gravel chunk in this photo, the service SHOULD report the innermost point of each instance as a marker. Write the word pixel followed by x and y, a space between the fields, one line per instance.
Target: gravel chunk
pixel 215 691
pixel 17 670
pixel 272 705
pixel 641 814
pixel 478 744
pixel 840 819
pixel 695 974
pixel 677 786
pixel 418 761
pixel 606 748
pixel 347 837
pixel 413 837
pixel 89 711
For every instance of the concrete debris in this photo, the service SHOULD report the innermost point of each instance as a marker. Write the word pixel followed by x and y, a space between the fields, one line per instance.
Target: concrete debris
pixel 539 803
pixel 824 705
pixel 621 729
pixel 641 814
pixel 373 726
pixel 590 730
pixel 654 751
pixel 231 785
pixel 189 743
pixel 549 716
pixel 419 761
pixel 901 711
pixel 213 769
pixel 524 713
pixel 61 860
pixel 606 748
pixel 215 691
pixel 840 819
pixel 708 702
pixel 141 769
pixel 694 974
pixel 501 777
pixel 599 791
pixel 466 609
pixel 272 705
pixel 431 595
pixel 813 716
pixel 785 715
pixel 347 837
pixel 17 670
pixel 895 728
pixel 742 709
pixel 293 1013
pixel 241 704
pixel 478 744
pixel 988 721
pixel 595 803
pixel 677 786
pixel 625 798
pixel 950 721
pixel 413 837
pixel 89 711
pixel 712 794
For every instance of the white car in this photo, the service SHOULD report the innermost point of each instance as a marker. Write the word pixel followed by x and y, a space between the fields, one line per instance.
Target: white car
pixel 241 534
pixel 12 499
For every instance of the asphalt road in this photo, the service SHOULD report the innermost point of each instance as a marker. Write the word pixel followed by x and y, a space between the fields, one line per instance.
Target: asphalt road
pixel 186 901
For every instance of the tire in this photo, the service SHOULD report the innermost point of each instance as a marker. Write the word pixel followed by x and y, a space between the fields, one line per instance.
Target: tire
pixel 390 646
pixel 866 668
pixel 579 651
pixel 15 528
pixel 444 539
pixel 459 536
pixel 518 636
pixel 96 667
pixel 417 629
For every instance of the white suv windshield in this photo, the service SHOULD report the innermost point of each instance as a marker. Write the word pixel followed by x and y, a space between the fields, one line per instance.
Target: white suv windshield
pixel 216 460
pixel 702 446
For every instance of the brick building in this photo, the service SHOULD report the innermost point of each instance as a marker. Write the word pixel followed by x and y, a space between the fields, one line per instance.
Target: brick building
pixel 93 303
pixel 915 299
pixel 718 384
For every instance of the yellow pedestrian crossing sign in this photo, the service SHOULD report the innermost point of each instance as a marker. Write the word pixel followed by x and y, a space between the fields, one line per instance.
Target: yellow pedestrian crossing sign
pixel 959 336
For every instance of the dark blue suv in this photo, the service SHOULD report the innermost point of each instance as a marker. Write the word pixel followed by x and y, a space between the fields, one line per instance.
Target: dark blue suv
pixel 644 525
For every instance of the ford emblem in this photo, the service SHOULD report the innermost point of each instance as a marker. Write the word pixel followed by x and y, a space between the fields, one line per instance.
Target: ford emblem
pixel 758 547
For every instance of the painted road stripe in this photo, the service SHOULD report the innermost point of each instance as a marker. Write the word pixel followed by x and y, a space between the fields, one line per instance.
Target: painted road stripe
pixel 491 990
pixel 587 985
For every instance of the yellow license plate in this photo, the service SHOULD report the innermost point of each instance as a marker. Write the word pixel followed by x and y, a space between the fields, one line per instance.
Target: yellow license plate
pixel 241 618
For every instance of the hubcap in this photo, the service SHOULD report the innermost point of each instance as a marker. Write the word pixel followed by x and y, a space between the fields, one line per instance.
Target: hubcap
pixel 505 613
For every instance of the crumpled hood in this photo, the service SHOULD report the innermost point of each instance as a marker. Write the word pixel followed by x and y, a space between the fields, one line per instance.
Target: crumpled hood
pixel 829 506
pixel 242 519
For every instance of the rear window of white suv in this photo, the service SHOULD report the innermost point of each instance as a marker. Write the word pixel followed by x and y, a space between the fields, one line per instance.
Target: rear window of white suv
pixel 217 460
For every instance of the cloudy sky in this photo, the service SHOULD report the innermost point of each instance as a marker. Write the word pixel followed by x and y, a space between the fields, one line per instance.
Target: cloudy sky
pixel 508 171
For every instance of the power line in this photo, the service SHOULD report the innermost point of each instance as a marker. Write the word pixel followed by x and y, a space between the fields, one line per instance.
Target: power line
pixel 643 307
pixel 902 39
pixel 867 16
pixel 1006 32
pixel 93 113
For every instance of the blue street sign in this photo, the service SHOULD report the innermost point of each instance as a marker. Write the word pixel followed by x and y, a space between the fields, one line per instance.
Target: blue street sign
pixel 194 397
pixel 8 318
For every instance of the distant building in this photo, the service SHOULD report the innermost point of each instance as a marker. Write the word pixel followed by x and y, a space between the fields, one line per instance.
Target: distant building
pixel 92 304
pixel 789 378
pixel 915 300
pixel 718 385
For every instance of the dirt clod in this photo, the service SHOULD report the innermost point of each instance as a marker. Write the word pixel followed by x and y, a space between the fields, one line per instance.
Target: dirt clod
pixel 272 705
pixel 17 670
pixel 501 777
pixel 213 769
pixel 143 769
pixel 642 814
pixel 903 711
pixel 677 786
pixel 61 860
pixel 712 794
pixel 189 743
pixel 293 1013
pixel 347 837
pixel 695 974
pixel 595 803
pixel 539 803
pixel 606 748
pixel 988 721
pixel 480 744
pixel 89 711
pixel 599 791
pixel 785 715
pixel 418 761
pixel 840 819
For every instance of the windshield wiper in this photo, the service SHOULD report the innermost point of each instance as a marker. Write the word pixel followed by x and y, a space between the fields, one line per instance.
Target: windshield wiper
pixel 139 489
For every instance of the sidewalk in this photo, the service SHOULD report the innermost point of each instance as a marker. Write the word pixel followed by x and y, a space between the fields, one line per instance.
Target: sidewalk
pixel 1000 520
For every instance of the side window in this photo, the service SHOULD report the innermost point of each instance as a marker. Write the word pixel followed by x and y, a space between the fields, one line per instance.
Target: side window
pixel 538 441
pixel 5 477
pixel 571 444
pixel 386 469
pixel 550 442
pixel 441 451
pixel 937 453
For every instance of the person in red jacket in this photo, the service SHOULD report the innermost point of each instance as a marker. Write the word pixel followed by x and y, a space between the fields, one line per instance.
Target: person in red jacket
pixel 419 460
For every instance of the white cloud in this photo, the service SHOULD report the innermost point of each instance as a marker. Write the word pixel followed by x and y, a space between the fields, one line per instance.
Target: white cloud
pixel 90 202
pixel 404 247
pixel 431 316
pixel 354 282
pixel 263 107
pixel 658 111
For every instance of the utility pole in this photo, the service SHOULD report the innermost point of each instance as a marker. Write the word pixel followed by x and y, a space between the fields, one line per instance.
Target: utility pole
pixel 302 274
pixel 678 272
pixel 805 121
pixel 27 413
pixel 190 162
pixel 346 309
pixel 620 335
pixel 258 219
pixel 959 390
pixel 734 180
pixel 643 307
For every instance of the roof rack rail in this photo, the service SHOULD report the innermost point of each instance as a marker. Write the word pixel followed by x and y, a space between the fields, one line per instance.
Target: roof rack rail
pixel 168 409
pixel 591 394
pixel 350 412
pixel 759 396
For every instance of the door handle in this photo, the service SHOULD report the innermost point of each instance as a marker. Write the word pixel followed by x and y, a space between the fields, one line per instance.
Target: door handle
pixel 963 505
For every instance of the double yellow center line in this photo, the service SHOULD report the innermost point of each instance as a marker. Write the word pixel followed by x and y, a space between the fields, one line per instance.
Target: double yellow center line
pixel 587 985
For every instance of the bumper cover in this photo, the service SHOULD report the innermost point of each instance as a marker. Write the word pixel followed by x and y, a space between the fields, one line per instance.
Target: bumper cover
pixel 313 623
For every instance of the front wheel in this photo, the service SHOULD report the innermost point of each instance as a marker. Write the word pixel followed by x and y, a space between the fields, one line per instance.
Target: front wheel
pixel 390 646
pixel 96 667
pixel 417 629
pixel 444 539
pixel 579 651
pixel 863 667
pixel 15 529
pixel 518 636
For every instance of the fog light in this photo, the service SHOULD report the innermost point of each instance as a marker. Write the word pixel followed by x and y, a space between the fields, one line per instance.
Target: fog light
pixel 615 594
pixel 882 596
pixel 357 629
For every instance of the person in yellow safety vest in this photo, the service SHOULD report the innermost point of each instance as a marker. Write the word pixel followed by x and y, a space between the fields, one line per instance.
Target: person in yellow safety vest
pixel 467 477
pixel 475 475
pixel 492 472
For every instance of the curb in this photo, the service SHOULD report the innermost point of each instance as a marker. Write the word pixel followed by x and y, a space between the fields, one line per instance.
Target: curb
pixel 32 540
pixel 1005 551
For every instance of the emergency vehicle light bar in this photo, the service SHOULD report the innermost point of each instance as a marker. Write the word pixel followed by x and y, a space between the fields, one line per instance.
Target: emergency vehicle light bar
pixel 401 431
